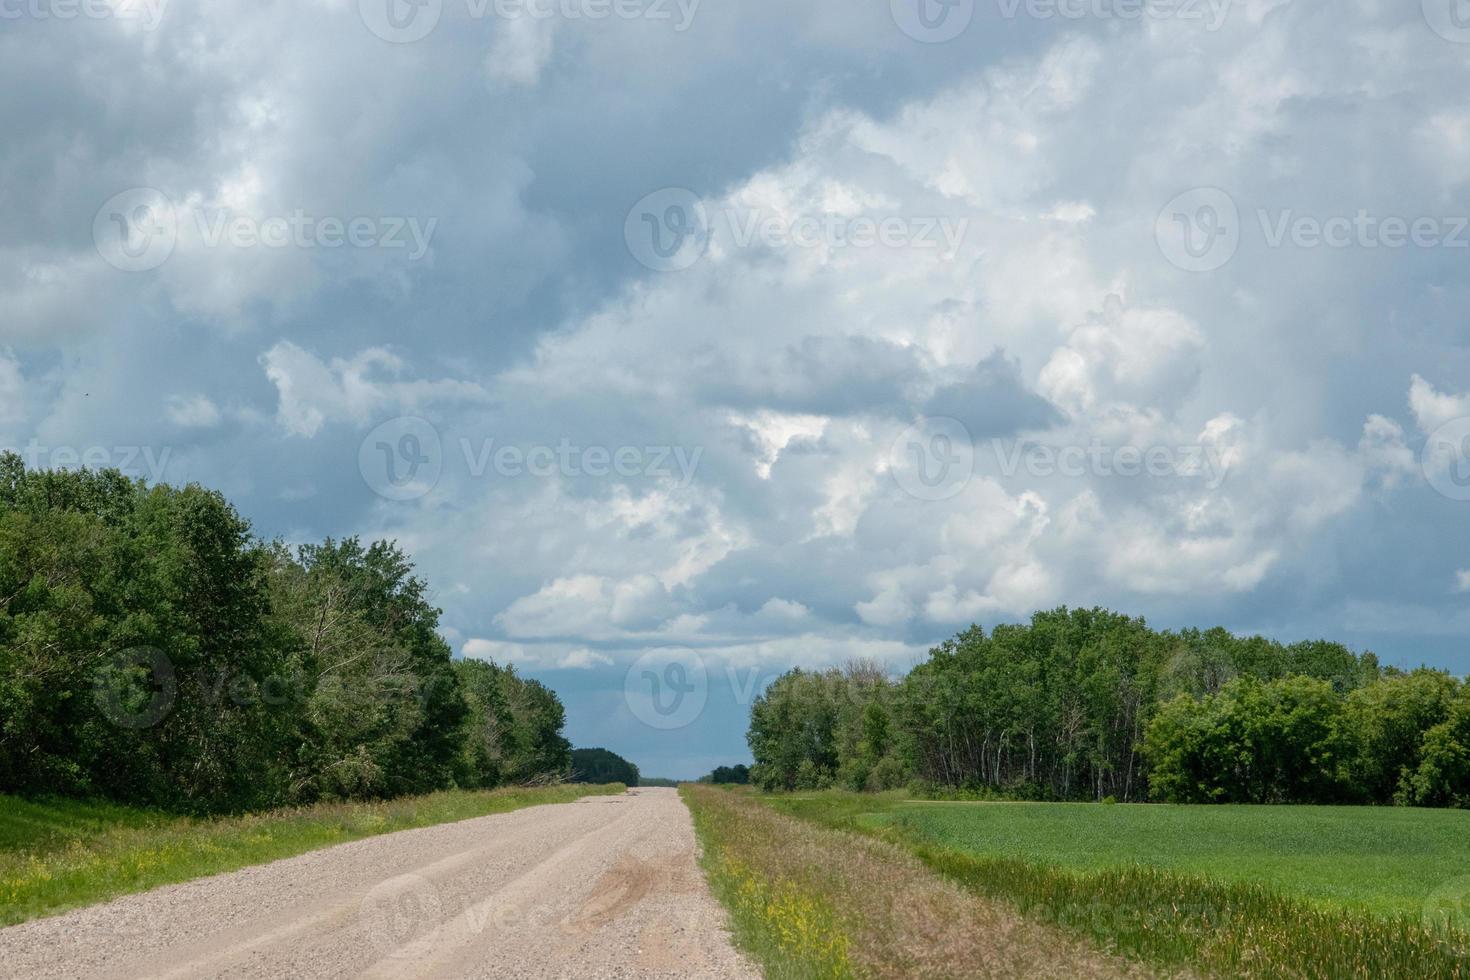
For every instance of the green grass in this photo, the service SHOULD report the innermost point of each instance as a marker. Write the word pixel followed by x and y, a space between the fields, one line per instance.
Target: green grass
pixel 782 920
pixel 1230 891
pixel 40 826
pixel 810 902
pixel 1384 860
pixel 61 854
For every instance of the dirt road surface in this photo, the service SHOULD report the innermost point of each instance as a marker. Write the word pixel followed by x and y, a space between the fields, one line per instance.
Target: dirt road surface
pixel 603 887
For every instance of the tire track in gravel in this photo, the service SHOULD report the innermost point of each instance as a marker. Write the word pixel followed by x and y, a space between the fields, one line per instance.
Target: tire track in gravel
pixel 603 887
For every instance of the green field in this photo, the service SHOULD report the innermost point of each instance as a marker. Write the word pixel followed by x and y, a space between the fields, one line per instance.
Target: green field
pixel 60 854
pixel 1280 891
pixel 1385 860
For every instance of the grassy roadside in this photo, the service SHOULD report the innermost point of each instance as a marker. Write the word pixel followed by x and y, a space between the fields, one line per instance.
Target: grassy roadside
pixel 57 855
pixel 808 901
pixel 1168 918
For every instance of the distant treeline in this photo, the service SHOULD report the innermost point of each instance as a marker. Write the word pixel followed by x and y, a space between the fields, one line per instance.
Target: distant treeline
pixel 601 766
pixel 1092 705
pixel 737 775
pixel 152 651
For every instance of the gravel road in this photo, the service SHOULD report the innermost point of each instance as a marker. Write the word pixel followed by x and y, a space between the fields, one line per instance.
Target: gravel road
pixel 603 887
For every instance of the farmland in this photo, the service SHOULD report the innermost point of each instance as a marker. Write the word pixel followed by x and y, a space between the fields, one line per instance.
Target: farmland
pixel 1237 891
pixel 1384 860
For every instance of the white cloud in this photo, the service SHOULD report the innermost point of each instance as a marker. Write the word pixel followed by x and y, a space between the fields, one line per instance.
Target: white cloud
pixel 193 412
pixel 813 650
pixel 772 432
pixel 1125 358
pixel 313 392
pixel 889 607
pixel 1383 449
pixel 1058 271
pixel 587 605
pixel 547 656
pixel 792 369
pixel 1433 408
pixel 784 610
pixel 521 48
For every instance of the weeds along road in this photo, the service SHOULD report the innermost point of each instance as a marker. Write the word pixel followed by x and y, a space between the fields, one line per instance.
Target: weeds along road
pixel 603 887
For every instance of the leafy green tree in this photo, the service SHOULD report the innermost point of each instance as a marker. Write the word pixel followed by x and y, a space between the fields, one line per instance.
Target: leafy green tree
pixel 383 710
pixel 737 775
pixel 489 727
pixel 865 733
pixel 1090 704
pixel 791 733
pixel 1052 709
pixel 513 732
pixel 1389 719
pixel 132 636
pixel 602 766
pixel 1442 777
pixel 814 730
pixel 154 652
pixel 1200 662
pixel 1283 741
pixel 541 752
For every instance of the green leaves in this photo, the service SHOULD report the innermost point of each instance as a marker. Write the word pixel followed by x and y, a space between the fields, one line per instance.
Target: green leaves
pixel 602 766
pixel 153 652
pixel 1401 739
pixel 1090 704
pixel 513 732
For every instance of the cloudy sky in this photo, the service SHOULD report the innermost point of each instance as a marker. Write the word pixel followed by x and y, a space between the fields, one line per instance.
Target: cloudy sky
pixel 683 342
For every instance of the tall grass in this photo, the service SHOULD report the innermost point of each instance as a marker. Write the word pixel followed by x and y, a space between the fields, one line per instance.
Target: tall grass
pixel 808 901
pixel 61 854
pixel 778 917
pixel 1235 930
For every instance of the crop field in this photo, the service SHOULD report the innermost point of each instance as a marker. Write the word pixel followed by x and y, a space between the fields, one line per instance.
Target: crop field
pixel 1385 860
pixel 1232 891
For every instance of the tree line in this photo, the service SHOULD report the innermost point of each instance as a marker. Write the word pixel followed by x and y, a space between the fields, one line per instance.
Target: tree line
pixel 153 651
pixel 1094 705
pixel 602 766
pixel 736 775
